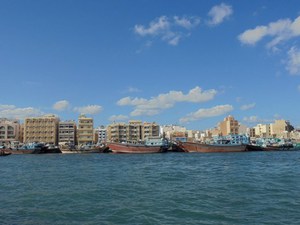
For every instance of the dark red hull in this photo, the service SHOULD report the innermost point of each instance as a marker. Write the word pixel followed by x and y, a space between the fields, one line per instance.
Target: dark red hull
pixel 205 148
pixel 132 148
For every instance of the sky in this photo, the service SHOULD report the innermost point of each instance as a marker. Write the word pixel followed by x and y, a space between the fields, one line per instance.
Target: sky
pixel 182 62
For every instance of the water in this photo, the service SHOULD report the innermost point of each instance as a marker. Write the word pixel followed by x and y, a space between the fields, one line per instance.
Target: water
pixel 176 188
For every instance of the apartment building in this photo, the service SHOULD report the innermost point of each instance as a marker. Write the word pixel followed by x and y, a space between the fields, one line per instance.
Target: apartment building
pixel 135 131
pixel 41 129
pixel 281 128
pixel 263 130
pixel 229 126
pixel 85 130
pixel 9 131
pixel 102 134
pixel 67 132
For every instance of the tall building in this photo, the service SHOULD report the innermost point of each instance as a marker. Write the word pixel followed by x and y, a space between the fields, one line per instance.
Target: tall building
pixel 281 128
pixel 67 132
pixel 229 126
pixel 41 129
pixel 150 130
pixel 85 130
pixel 134 131
pixel 9 131
pixel 102 134
pixel 117 132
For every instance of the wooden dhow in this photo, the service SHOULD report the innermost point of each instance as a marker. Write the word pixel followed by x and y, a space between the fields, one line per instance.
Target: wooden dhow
pixel 204 148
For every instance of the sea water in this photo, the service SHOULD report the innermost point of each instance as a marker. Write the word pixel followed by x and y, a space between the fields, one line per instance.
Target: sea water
pixel 173 188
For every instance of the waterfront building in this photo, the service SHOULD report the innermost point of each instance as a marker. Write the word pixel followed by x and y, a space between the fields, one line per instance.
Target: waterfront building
pixel 67 132
pixel 150 130
pixel 102 134
pixel 135 131
pixel 117 132
pixel 263 131
pixel 229 126
pixel 41 129
pixel 85 130
pixel 281 128
pixel 9 131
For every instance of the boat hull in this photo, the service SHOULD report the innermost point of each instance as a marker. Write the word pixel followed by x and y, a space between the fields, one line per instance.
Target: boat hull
pixel 85 151
pixel 4 153
pixel 130 148
pixel 205 148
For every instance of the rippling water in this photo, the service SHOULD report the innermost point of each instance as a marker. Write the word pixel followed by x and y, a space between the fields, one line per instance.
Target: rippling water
pixel 174 188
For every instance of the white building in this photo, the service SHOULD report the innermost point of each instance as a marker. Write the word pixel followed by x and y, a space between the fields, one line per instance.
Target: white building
pixel 102 134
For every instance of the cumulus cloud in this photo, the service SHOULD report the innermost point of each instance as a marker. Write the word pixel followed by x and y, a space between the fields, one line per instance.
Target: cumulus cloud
pixel 206 113
pixel 293 63
pixel 90 109
pixel 168 29
pixel 156 104
pixel 13 112
pixel 61 105
pixel 118 118
pixel 247 107
pixel 219 13
pixel 281 30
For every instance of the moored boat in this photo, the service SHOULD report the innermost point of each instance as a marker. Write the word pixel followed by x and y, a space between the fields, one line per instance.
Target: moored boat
pixel 133 148
pixel 4 153
pixel 205 148
pixel 151 145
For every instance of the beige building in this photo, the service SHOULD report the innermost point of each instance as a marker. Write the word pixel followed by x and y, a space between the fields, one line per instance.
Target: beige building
pixel 85 130
pixel 263 130
pixel 117 132
pixel 9 131
pixel 150 130
pixel 41 129
pixel 229 126
pixel 134 131
pixel 67 132
pixel 281 129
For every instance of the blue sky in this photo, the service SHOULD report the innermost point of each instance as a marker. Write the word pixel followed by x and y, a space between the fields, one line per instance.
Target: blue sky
pixel 184 62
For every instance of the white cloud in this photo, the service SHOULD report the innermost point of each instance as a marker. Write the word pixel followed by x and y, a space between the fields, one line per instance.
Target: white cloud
pixel 206 113
pixel 187 22
pixel 250 37
pixel 11 111
pixel 168 29
pixel 160 25
pixel 281 30
pixel 118 118
pixel 248 106
pixel 156 104
pixel 61 105
pixel 219 13
pixel 90 109
pixel 293 63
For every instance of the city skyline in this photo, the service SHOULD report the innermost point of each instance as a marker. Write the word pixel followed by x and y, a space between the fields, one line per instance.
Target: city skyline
pixel 189 63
